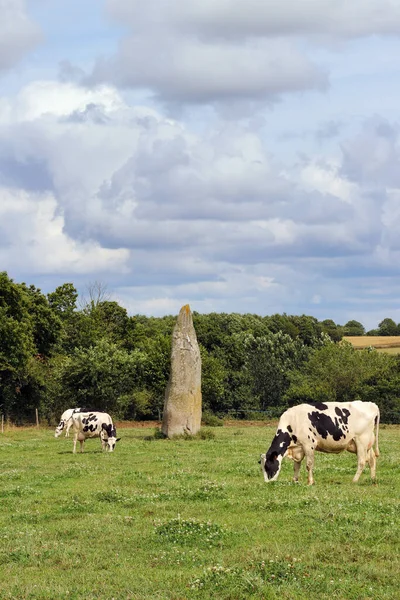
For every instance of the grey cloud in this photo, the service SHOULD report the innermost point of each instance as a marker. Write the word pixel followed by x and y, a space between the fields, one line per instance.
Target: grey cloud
pixel 18 33
pixel 221 180
pixel 92 112
pixel 329 130
pixel 236 55
pixel 188 70
pixel 171 268
pixel 242 18
pixel 373 156
pixel 69 72
pixel 32 174
pixel 324 131
pixel 131 179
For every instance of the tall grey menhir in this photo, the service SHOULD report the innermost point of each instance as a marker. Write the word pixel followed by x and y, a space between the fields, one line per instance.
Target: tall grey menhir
pixel 182 407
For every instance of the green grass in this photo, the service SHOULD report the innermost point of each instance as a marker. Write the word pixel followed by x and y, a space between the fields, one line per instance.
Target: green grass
pixel 181 519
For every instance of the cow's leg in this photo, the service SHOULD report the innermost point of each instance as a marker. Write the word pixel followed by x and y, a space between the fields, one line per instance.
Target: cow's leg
pixel 310 466
pixel 372 455
pixel 296 470
pixel 361 459
pixel 297 455
pixel 371 459
pixel 75 440
pixel 82 442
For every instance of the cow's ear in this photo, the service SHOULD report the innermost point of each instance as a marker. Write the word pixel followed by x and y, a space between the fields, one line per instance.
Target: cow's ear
pixel 117 440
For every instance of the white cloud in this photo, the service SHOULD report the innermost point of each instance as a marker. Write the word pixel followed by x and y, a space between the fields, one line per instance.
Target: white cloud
pixel 18 33
pixel 33 239
pixel 41 98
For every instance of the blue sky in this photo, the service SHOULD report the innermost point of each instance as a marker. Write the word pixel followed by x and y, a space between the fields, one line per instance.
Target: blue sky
pixel 239 156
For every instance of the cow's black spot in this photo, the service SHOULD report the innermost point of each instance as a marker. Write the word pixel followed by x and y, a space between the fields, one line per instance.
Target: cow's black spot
pixel 294 438
pixel 92 427
pixel 343 414
pixel 325 426
pixel 318 405
pixel 109 429
pixel 279 445
pixel 289 429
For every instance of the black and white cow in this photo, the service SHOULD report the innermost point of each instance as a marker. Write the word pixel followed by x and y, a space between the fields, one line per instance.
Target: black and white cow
pixel 94 424
pixel 326 427
pixel 66 421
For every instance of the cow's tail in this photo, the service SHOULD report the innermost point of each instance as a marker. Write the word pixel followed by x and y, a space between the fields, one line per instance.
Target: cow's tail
pixel 377 418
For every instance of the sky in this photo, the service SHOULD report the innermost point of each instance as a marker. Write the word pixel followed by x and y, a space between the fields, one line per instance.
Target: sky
pixel 234 155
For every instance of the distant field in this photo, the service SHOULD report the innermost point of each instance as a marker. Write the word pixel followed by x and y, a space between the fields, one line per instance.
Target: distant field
pixel 193 519
pixel 383 343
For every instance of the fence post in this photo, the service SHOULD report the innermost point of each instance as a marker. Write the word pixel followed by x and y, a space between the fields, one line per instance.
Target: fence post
pixel 2 423
pixel 37 417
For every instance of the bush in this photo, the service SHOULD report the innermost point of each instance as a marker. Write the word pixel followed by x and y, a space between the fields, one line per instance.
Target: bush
pixel 211 420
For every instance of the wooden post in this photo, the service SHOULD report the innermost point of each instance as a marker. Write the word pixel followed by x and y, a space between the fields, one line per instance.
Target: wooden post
pixel 2 423
pixel 37 418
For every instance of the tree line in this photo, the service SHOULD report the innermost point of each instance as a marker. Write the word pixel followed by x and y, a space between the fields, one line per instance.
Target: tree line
pixel 56 353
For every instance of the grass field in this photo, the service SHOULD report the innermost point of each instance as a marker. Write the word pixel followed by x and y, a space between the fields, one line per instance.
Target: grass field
pixel 184 519
pixel 383 343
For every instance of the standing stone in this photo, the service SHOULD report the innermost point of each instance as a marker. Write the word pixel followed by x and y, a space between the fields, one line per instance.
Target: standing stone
pixel 182 407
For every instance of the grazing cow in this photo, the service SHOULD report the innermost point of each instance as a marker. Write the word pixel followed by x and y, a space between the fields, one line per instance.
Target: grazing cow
pixel 94 424
pixel 327 427
pixel 66 421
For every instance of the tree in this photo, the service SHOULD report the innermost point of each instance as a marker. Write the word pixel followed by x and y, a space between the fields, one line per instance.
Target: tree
pixel 29 330
pixel 45 323
pixel 214 378
pixel 283 323
pixel 353 328
pixel 269 359
pixel 109 320
pixel 330 328
pixel 63 300
pixel 336 373
pixel 99 376
pixel 309 329
pixel 96 292
pixel 388 327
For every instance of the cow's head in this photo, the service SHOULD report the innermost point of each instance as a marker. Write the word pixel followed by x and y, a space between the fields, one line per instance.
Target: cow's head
pixel 270 466
pixel 271 461
pixel 108 437
pixel 59 429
